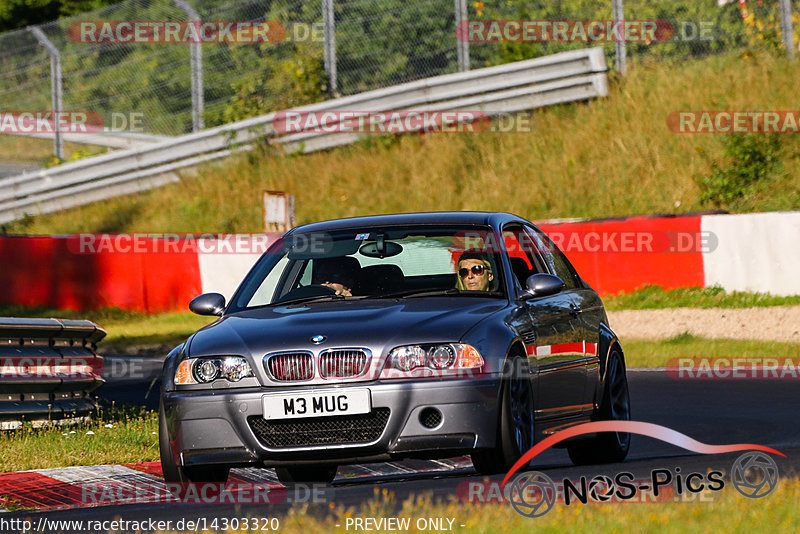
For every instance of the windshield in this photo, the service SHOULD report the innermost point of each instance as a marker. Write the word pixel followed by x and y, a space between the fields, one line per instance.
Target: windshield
pixel 375 263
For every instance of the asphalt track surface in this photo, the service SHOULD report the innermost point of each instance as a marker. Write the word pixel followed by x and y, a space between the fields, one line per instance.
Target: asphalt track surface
pixel 711 411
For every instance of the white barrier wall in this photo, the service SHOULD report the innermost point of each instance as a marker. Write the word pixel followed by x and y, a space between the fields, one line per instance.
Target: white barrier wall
pixel 755 252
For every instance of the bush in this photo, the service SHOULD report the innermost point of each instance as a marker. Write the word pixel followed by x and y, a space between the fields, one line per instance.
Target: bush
pixel 748 160
pixel 293 82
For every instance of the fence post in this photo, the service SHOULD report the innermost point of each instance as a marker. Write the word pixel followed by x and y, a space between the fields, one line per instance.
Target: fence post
pixel 329 30
pixel 620 50
pixel 786 27
pixel 56 89
pixel 196 62
pixel 462 44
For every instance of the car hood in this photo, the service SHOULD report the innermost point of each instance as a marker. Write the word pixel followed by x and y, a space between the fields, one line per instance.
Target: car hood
pixel 375 324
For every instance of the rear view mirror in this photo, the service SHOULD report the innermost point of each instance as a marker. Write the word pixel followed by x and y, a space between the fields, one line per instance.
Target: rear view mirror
pixel 208 304
pixel 381 248
pixel 542 285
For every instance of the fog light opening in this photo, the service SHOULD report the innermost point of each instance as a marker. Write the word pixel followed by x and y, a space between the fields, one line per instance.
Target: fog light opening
pixel 430 417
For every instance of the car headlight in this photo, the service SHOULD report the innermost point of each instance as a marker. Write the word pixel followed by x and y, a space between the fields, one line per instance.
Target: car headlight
pixel 205 370
pixel 443 359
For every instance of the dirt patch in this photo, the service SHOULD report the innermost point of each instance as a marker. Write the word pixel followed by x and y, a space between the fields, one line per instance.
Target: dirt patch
pixel 774 323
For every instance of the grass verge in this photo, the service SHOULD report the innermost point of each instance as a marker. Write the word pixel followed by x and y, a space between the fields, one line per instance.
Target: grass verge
pixel 655 297
pixel 618 148
pixel 728 511
pixel 656 353
pixel 119 435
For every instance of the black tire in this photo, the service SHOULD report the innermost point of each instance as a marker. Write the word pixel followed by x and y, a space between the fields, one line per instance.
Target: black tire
pixel 515 431
pixel 615 405
pixel 178 473
pixel 310 474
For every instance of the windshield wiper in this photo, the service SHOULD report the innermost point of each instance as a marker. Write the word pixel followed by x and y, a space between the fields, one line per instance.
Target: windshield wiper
pixel 420 293
pixel 311 299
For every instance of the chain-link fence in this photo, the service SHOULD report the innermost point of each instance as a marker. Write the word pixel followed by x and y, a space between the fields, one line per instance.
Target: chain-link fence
pixel 328 48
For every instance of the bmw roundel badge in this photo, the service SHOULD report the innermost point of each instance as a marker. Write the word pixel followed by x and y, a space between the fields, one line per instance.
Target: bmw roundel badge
pixel 318 339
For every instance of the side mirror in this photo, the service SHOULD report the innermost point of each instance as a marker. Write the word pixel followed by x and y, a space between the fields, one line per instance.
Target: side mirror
pixel 542 285
pixel 208 304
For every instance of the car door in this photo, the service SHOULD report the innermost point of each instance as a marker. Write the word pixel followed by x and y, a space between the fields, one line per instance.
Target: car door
pixel 556 352
pixel 586 313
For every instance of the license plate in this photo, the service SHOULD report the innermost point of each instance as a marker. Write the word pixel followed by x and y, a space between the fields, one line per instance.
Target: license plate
pixel 316 404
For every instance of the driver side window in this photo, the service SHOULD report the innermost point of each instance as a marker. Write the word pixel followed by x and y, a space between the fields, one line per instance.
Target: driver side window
pixel 558 262
pixel 266 291
pixel 523 254
pixel 305 279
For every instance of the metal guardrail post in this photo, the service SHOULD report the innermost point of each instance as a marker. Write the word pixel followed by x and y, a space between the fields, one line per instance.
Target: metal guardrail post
pixel 329 27
pixel 462 44
pixel 786 27
pixel 56 89
pixel 620 50
pixel 197 69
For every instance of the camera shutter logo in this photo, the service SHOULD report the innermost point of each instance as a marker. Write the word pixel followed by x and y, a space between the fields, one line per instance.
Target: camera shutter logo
pixel 532 494
pixel 754 474
pixel 601 488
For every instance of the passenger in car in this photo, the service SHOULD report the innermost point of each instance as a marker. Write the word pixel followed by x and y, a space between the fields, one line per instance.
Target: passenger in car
pixel 474 272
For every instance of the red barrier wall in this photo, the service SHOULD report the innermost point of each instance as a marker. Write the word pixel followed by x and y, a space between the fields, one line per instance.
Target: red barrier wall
pixel 613 256
pixel 51 271
pixel 624 255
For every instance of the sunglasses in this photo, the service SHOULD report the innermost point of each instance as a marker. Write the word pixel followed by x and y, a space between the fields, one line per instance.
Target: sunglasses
pixel 477 270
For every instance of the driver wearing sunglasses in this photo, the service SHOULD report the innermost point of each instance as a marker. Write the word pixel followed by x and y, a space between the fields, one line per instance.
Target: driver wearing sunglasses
pixel 474 272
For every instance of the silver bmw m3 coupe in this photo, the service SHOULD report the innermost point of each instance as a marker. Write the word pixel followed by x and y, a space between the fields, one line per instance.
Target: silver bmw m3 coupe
pixel 422 335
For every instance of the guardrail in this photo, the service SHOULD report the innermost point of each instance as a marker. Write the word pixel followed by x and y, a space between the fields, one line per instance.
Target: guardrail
pixel 106 138
pixel 513 87
pixel 48 369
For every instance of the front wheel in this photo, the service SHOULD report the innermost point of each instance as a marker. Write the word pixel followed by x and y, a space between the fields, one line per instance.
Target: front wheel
pixel 615 405
pixel 515 432
pixel 178 473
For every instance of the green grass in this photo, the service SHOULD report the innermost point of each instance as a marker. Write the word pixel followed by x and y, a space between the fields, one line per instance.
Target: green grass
pixel 613 157
pixel 727 511
pixel 132 438
pixel 655 297
pixel 127 331
pixel 36 151
pixel 650 353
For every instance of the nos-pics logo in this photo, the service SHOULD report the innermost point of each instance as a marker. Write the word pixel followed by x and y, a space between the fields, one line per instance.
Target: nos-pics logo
pixel 753 474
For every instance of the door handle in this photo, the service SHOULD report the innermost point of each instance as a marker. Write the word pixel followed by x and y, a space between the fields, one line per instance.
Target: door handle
pixel 574 310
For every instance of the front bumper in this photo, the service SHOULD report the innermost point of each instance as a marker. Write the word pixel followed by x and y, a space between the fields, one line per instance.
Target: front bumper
pixel 212 427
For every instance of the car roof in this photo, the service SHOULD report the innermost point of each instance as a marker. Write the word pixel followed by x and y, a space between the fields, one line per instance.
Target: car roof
pixel 476 218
